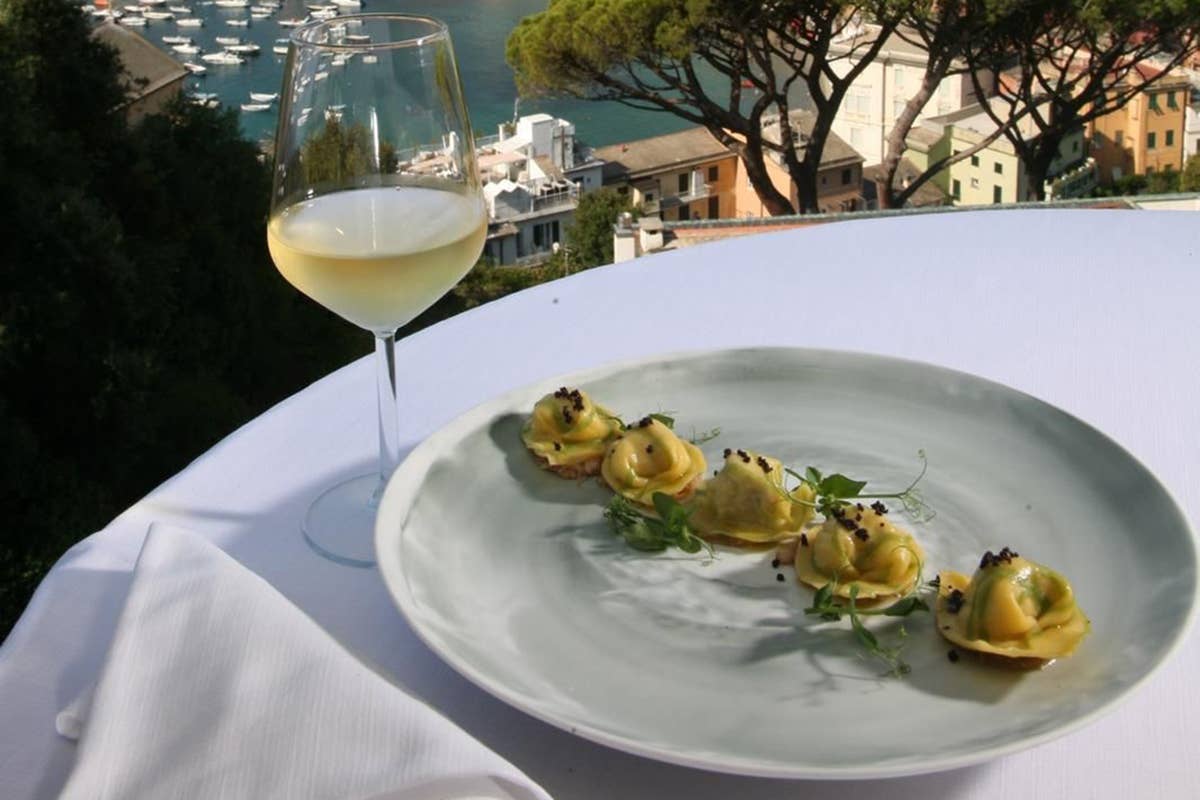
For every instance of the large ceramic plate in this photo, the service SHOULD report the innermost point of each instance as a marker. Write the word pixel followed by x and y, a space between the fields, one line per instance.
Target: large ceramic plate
pixel 511 575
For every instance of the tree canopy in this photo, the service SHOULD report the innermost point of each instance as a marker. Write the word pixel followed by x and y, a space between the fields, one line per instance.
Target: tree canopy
pixel 732 67
pixel 735 67
pixel 140 316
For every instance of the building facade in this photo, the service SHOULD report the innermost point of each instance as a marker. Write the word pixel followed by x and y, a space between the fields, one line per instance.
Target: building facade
pixel 680 176
pixel 533 172
pixel 880 93
pixel 151 78
pixel 839 177
pixel 1146 135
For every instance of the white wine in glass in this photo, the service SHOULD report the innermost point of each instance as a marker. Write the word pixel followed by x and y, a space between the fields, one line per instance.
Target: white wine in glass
pixel 376 208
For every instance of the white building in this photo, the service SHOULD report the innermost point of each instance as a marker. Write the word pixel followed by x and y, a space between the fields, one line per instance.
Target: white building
pixel 880 93
pixel 1191 120
pixel 533 172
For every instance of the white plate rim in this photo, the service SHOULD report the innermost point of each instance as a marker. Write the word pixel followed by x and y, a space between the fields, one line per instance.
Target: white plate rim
pixel 406 480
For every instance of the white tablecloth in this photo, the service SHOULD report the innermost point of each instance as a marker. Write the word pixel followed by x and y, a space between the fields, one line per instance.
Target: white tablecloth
pixel 1097 312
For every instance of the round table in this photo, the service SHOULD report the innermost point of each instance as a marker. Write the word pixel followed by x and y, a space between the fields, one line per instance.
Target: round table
pixel 1092 310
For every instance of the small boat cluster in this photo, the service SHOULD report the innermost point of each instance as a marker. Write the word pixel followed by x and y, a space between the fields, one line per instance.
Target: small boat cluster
pixel 230 50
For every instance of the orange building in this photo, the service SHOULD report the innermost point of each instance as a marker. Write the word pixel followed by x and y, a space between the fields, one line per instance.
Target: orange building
pixel 1146 134
pixel 679 176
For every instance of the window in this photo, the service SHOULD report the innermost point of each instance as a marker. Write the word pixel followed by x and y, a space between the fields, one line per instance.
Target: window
pixel 847 176
pixel 1075 146
pixel 956 189
pixel 1153 101
pixel 974 183
pixel 714 172
pixel 824 180
pixel 684 183
pixel 974 161
pixel 898 77
pixel 714 207
pixel 856 137
pixel 997 194
pixel 1170 138
pixel 998 168
pixel 648 197
pixel 1151 140
pixel 1171 100
pixel 1119 138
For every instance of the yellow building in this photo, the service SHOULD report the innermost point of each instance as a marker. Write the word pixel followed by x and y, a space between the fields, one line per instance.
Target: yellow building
pixel 996 173
pixel 839 178
pixel 1146 134
pixel 679 176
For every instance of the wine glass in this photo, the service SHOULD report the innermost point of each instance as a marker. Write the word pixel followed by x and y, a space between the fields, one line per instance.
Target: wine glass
pixel 376 208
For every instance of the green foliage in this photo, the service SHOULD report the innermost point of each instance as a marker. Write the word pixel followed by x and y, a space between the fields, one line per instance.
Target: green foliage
pixel 1162 182
pixel 590 236
pixel 338 153
pixel 1189 178
pixel 140 316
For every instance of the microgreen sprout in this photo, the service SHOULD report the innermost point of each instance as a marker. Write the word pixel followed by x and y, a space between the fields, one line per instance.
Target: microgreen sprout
pixel 836 490
pixel 641 531
pixel 826 606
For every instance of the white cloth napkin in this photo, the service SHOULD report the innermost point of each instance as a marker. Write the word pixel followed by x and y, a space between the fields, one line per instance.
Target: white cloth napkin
pixel 217 687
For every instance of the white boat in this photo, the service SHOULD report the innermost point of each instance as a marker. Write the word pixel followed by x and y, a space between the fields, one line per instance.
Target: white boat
pixel 232 3
pixel 357 38
pixel 256 106
pixel 158 15
pixel 133 21
pixel 321 6
pixel 264 97
pixel 222 58
pixel 177 40
pixel 262 10
pixel 341 60
pixel 238 23
pixel 280 47
pixel 248 49
pixel 320 76
pixel 195 69
pixel 190 22
pixel 127 10
pixel 227 40
pixel 186 49
pixel 152 2
pixel 348 3
pixel 324 14
pixel 184 10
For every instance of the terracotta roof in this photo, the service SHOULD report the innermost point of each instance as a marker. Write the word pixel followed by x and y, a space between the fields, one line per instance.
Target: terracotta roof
pixel 660 153
pixel 143 61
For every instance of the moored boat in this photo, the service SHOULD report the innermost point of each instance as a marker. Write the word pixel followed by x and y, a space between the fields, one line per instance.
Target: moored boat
pixel 264 97
pixel 247 49
pixel 195 69
pixel 222 58
pixel 227 40
pixel 177 40
pixel 238 23
pixel 158 15
pixel 186 49
pixel 190 22
pixel 291 23
pixel 280 47
pixel 255 106
pixel 184 10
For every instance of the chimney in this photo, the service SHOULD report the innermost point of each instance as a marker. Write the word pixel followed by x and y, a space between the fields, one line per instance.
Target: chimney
pixel 625 242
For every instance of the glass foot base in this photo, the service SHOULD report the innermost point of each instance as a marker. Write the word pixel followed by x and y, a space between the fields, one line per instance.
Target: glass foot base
pixel 340 524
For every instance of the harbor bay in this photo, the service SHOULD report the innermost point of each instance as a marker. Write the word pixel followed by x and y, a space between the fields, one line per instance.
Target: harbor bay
pixel 479 29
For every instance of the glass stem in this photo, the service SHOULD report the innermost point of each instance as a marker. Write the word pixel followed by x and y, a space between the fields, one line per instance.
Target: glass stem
pixel 389 410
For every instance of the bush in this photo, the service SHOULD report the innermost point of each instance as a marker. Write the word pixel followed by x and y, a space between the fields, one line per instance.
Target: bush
pixel 141 318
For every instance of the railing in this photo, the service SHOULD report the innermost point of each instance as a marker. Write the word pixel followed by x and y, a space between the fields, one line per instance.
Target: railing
pixel 568 196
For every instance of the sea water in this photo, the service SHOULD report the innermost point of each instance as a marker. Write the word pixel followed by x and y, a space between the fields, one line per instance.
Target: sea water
pixel 479 29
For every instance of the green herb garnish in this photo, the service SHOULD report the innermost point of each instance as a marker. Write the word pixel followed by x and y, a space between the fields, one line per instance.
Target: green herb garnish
pixel 826 606
pixel 836 490
pixel 654 534
pixel 704 436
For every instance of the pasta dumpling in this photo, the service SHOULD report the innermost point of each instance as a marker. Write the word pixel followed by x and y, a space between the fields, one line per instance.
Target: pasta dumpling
pixel 568 433
pixel 859 546
pixel 648 457
pixel 746 501
pixel 1011 607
